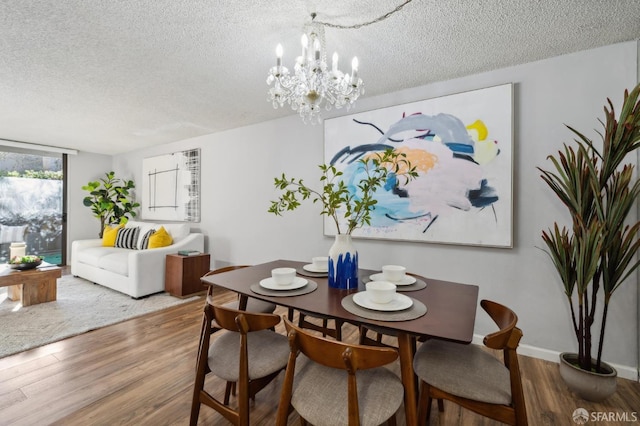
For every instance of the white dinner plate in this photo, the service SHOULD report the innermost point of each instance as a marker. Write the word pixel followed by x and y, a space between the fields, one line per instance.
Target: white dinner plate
pixel 407 280
pixel 298 282
pixel 312 268
pixel 398 303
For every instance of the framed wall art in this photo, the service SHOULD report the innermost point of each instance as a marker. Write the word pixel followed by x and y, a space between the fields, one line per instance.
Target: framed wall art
pixel 171 186
pixel 462 147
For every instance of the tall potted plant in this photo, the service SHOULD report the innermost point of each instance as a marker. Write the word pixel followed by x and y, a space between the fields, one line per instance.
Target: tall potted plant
pixel 348 206
pixel 598 252
pixel 110 200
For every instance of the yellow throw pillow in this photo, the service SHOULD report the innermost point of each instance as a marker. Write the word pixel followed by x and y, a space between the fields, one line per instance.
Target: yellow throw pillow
pixel 160 238
pixel 109 235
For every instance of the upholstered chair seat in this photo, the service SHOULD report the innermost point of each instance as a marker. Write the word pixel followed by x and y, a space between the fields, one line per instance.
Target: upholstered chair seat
pixel 466 371
pixel 253 305
pixel 320 394
pixel 268 353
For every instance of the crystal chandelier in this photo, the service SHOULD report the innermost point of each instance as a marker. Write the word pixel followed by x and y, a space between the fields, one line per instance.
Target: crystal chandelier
pixel 313 85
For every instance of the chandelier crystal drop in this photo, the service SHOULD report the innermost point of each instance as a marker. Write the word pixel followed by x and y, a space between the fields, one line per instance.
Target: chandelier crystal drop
pixel 313 86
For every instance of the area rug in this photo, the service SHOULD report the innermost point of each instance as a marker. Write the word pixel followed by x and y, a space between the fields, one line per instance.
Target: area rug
pixel 81 306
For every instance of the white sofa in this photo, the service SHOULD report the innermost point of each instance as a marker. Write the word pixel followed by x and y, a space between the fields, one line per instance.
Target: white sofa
pixel 137 273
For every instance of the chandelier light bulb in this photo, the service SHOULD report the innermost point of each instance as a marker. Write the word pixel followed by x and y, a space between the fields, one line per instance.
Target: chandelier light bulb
pixel 279 55
pixel 334 62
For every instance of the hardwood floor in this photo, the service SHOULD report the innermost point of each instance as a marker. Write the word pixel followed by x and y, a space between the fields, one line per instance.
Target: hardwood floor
pixel 140 372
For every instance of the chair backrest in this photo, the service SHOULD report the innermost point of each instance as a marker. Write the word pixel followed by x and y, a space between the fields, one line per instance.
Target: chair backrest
pixel 505 319
pixel 243 322
pixel 330 353
pixel 507 339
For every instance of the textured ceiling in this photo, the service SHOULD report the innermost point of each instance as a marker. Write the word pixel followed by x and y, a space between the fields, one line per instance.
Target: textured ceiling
pixel 110 76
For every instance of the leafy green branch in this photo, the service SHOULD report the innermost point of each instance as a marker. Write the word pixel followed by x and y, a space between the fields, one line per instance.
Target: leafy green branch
pixel 110 199
pixel 338 200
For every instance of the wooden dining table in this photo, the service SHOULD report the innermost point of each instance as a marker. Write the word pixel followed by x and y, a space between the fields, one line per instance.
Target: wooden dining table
pixel 451 312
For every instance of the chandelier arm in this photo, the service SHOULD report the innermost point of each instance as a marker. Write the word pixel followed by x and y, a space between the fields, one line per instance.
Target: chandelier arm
pixel 364 24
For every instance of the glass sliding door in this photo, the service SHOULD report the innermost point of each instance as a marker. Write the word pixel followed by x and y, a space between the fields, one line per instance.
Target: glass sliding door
pixel 32 203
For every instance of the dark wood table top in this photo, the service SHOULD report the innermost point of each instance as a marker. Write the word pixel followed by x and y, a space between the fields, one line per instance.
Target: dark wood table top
pixel 451 307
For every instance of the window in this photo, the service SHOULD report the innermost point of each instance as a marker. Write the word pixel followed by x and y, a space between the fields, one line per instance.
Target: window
pixel 32 203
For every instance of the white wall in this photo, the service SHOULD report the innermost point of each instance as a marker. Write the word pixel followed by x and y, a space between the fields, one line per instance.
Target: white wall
pixel 238 167
pixel 82 168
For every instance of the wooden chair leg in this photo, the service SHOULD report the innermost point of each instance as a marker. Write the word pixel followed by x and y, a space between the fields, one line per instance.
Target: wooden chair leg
pixel 202 368
pixel 424 404
pixel 227 392
pixel 325 324
pixel 195 411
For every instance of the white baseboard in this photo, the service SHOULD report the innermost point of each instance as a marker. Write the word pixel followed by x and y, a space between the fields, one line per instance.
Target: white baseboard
pixel 624 371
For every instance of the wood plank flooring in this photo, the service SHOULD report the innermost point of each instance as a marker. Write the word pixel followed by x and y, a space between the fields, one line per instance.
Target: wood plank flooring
pixel 140 372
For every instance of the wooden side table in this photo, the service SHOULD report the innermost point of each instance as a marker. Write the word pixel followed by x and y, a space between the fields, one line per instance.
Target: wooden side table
pixel 182 274
pixel 32 286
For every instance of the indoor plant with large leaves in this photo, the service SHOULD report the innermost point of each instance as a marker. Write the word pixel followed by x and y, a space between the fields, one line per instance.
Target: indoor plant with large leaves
pixel 349 206
pixel 110 199
pixel 596 255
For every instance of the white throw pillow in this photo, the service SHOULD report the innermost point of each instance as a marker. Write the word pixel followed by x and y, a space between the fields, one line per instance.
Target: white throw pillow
pixel 177 231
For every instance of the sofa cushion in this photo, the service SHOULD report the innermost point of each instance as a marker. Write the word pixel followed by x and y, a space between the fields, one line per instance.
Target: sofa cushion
pixel 127 238
pixel 92 255
pixel 160 238
pixel 117 261
pixel 109 235
pixel 177 231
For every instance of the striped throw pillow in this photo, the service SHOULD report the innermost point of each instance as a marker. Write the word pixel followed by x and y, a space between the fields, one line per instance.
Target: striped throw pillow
pixel 144 243
pixel 127 238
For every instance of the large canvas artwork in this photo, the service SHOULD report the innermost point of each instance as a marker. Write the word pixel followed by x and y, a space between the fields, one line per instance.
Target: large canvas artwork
pixel 462 147
pixel 171 186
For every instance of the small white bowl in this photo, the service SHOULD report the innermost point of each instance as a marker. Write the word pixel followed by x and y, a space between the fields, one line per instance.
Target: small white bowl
pixel 380 291
pixel 321 263
pixel 393 273
pixel 283 276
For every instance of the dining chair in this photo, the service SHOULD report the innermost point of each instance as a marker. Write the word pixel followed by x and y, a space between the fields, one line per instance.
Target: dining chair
pixel 247 353
pixel 471 376
pixel 329 382
pixel 325 329
pixel 252 304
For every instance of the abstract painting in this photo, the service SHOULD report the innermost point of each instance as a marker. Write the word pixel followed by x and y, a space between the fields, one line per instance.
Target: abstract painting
pixel 462 148
pixel 171 186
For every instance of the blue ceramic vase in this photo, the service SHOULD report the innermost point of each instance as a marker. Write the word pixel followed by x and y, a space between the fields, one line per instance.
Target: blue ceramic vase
pixel 343 263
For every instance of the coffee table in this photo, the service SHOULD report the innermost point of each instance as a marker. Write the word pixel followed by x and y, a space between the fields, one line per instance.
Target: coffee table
pixel 32 286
